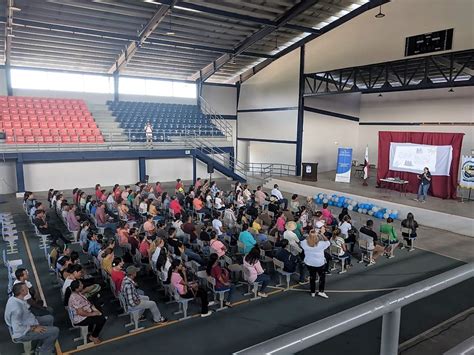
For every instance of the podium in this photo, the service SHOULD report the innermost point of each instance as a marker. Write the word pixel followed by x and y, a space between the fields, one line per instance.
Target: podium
pixel 310 172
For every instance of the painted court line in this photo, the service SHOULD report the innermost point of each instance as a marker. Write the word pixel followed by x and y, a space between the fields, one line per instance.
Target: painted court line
pixel 38 282
pixel 446 256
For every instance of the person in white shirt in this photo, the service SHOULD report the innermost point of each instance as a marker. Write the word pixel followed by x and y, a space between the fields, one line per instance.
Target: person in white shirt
pixel 314 246
pixel 338 241
pixel 149 132
pixel 218 201
pixel 345 227
pixel 217 226
pixel 281 200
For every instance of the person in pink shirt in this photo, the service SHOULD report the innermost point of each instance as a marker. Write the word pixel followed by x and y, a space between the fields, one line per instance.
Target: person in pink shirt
pixel 98 192
pixel 175 206
pixel 217 246
pixel 198 183
pixel 281 222
pixel 72 219
pixel 254 271
pixel 158 189
pixel 260 197
pixel 327 215
pixel 144 246
pixel 178 278
pixel 122 233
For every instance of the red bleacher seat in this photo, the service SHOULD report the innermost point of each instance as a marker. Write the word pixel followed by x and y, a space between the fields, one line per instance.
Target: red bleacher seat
pixel 65 139
pixel 39 139
pixel 48 139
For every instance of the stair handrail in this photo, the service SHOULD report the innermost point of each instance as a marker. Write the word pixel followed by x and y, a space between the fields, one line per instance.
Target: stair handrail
pixel 219 121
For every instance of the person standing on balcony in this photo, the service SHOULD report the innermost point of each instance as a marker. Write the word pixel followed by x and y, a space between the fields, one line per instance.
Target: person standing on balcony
pixel 149 132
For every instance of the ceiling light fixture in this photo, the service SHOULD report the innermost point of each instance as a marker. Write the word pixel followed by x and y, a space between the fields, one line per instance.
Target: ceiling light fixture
pixel 170 31
pixel 380 14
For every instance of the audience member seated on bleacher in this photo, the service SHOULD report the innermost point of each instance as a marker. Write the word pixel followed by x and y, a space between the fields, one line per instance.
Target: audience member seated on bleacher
pixel 247 239
pixel 255 270
pixel 389 229
pixel 94 245
pixel 36 207
pixel 230 219
pixel 327 215
pixel 344 212
pixel 260 197
pixel 84 313
pixel 136 301
pixel 222 277
pixel 149 226
pixel 32 298
pixel 178 277
pixel 216 245
pixel 76 272
pixel 175 206
pixel 347 231
pixel 190 229
pixel 45 228
pixel 103 219
pixel 218 226
pixel 72 220
pixel 367 231
pixel 314 246
pixel 278 195
pixel 339 242
pixel 280 223
pixel 23 324
pixel 293 240
pixel 180 248
pixel 107 259
pixel 290 261
pixel 117 274
pixel 411 224
pixel 294 204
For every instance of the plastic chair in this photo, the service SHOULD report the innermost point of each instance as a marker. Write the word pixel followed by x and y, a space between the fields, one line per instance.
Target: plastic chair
pixel 385 240
pixel 83 329
pixel 27 345
pixel 279 267
pixel 134 314
pixel 211 281
pixel 252 286
pixel 366 251
pixel 411 239
pixel 182 302
pixel 335 250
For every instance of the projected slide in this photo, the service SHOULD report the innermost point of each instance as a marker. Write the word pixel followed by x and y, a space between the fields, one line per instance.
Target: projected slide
pixel 413 158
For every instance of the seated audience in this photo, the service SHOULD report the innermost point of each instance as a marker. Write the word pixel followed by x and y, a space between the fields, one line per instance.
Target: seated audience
pixel 222 277
pixel 84 313
pixel 117 274
pixel 367 233
pixel 327 215
pixel 294 204
pixel 178 278
pixel 24 326
pixel 247 239
pixel 136 301
pixel 389 229
pixel 338 241
pixel 260 197
pixel 290 261
pixel 216 245
pixel 103 219
pixel 293 240
pixel 255 270
pixel 411 224
pixel 44 228
pixel 32 298
pixel 279 197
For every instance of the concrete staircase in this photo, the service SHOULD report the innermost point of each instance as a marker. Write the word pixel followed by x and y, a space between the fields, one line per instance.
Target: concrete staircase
pixel 106 122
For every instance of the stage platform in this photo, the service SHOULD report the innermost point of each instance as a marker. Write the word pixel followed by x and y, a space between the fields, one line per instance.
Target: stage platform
pixel 449 215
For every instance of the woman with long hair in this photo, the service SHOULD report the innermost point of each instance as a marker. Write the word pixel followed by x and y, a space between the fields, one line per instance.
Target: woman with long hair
pixel 178 278
pixel 222 277
pixel 314 246
pixel 255 270
pixel 411 224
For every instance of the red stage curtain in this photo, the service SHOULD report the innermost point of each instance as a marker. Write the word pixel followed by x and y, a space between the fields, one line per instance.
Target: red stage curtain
pixel 441 186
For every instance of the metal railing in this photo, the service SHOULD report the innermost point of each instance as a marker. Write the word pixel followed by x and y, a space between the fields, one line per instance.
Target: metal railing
pixel 216 118
pixel 267 170
pixel 387 306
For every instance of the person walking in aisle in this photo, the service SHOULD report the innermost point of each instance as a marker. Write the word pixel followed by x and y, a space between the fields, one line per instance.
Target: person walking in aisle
pixel 425 183
pixel 314 246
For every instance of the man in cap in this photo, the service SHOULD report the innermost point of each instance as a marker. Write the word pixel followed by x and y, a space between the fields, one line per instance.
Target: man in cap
pixel 134 300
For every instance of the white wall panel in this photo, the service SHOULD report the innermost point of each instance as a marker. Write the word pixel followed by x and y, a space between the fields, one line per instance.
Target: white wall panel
pixel 3 83
pixel 171 169
pixel 323 135
pixel 7 177
pixel 222 98
pixel 274 86
pixel 94 98
pixel 347 104
pixel 43 176
pixel 280 125
pixel 260 152
pixel 366 39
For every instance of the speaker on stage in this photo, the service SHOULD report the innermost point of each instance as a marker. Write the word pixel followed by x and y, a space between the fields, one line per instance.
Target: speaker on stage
pixel 210 168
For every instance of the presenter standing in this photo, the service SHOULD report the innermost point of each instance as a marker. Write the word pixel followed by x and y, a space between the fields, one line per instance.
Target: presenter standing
pixel 425 182
pixel 149 133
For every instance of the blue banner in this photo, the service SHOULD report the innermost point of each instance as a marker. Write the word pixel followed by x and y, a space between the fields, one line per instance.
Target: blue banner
pixel 344 165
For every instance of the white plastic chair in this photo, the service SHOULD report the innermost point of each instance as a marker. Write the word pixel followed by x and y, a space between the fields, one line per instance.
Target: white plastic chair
pixel 134 314
pixel 83 329
pixel 279 267
pixel 252 286
pixel 335 251
pixel 27 345
pixel 211 281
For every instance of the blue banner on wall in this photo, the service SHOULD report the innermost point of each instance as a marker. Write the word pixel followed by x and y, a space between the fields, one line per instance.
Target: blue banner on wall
pixel 344 165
